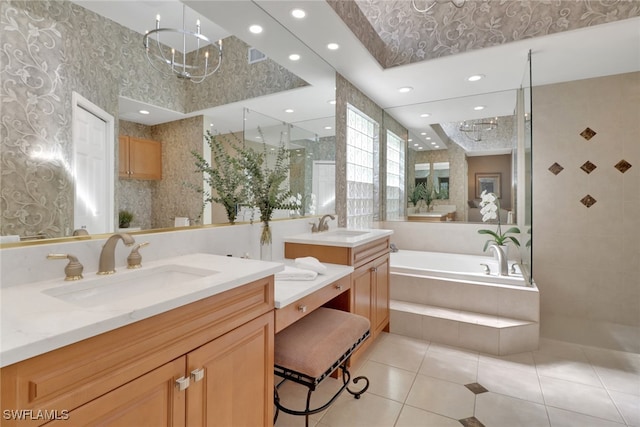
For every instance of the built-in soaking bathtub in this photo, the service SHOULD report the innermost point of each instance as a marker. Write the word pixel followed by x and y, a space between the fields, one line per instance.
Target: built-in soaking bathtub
pixel 448 298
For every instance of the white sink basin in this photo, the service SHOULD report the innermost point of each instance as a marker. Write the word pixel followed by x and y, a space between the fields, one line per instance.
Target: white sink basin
pixel 345 233
pixel 128 284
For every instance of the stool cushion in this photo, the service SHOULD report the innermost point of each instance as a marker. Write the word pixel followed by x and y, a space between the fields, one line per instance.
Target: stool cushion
pixel 312 344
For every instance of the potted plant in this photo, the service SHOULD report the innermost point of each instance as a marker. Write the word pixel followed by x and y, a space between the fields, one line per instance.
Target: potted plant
pixel 414 196
pixel 124 218
pixel 428 193
pixel 225 174
pixel 490 210
pixel 265 189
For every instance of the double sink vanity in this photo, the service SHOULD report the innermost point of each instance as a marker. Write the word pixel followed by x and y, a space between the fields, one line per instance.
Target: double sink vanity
pixel 178 341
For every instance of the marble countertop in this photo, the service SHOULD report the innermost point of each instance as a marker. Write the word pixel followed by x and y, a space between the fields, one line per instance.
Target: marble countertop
pixel 35 322
pixel 289 291
pixel 343 237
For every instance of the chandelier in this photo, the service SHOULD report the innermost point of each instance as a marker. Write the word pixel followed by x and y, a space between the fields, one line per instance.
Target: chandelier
pixel 194 63
pixel 429 4
pixel 478 130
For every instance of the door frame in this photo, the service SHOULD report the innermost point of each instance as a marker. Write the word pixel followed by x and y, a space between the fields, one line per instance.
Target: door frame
pixel 78 101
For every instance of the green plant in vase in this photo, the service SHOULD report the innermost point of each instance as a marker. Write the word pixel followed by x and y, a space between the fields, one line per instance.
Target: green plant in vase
pixel 225 174
pixel 124 218
pixel 490 210
pixel 415 194
pixel 265 184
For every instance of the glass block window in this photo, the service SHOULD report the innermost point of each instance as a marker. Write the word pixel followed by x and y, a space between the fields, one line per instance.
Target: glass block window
pixel 362 138
pixel 395 176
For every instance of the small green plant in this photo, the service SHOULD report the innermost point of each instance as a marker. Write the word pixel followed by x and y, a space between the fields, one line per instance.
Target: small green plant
pixel 490 205
pixel 124 218
pixel 415 193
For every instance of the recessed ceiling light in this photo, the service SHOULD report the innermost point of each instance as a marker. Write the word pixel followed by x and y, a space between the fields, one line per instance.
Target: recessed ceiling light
pixel 333 46
pixel 423 133
pixel 425 115
pixel 294 57
pixel 143 112
pixel 433 143
pixel 327 127
pixel 405 89
pixel 409 140
pixel 255 29
pixel 475 77
pixel 419 148
pixel 479 107
pixel 288 110
pixel 298 13
pixel 332 101
pixel 415 145
pixel 437 146
pixel 258 137
pixel 428 138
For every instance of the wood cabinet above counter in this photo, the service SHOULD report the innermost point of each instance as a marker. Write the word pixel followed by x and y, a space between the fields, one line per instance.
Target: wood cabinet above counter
pixel 140 158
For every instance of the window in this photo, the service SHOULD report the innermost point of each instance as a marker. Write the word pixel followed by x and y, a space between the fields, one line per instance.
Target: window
pixel 362 141
pixel 395 176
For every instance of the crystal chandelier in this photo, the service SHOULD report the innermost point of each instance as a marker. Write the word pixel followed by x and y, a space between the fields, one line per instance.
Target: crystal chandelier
pixel 477 130
pixel 194 63
pixel 429 4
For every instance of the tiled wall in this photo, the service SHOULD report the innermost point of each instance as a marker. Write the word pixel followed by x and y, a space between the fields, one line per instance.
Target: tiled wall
pixel 586 210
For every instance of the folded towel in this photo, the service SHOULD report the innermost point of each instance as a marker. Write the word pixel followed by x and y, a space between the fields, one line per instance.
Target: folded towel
pixel 311 263
pixel 292 273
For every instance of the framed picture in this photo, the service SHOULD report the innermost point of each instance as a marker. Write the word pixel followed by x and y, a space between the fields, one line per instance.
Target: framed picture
pixel 489 182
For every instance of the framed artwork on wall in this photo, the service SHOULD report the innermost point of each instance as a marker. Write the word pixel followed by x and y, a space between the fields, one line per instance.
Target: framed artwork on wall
pixel 489 182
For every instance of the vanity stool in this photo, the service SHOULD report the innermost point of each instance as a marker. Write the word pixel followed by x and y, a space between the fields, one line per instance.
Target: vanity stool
pixel 315 346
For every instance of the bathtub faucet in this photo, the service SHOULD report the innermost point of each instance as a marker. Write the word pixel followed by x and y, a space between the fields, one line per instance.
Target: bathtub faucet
pixel 502 258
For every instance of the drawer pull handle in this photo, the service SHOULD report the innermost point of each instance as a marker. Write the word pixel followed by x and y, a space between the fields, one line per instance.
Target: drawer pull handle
pixel 197 375
pixel 339 287
pixel 374 269
pixel 302 308
pixel 182 383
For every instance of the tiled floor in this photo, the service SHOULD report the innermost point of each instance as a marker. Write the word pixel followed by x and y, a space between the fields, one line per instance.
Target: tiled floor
pixel 417 383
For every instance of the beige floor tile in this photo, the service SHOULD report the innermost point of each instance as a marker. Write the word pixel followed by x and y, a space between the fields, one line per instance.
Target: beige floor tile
pixel 617 379
pixel 387 381
pixel 368 411
pixel 441 397
pixel 549 365
pixel 496 410
pixel 294 396
pixel 628 405
pixel 580 398
pixel 401 352
pixel 413 417
pixel 562 349
pixel 564 418
pixel 453 351
pixel 510 381
pixel 447 367
pixel 521 361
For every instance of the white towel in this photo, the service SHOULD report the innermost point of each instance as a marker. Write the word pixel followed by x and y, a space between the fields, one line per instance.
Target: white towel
pixel 311 263
pixel 292 273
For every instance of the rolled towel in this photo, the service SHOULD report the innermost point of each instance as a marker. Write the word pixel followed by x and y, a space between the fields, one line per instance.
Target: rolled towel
pixel 311 263
pixel 293 273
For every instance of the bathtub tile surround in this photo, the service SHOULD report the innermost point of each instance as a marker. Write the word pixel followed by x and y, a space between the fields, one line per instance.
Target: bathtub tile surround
pixel 461 310
pixel 529 389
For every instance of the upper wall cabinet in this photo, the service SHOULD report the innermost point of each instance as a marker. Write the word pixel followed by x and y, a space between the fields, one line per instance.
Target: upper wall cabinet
pixel 140 158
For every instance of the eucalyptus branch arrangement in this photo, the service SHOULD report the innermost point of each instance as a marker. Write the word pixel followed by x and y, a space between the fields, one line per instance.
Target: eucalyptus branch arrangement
pixel 225 174
pixel 265 183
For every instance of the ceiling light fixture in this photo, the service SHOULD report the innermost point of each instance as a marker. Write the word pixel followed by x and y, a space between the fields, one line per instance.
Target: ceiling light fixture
pixel 431 3
pixel 294 57
pixel 475 77
pixel 425 115
pixel 143 112
pixel 298 13
pixel 191 65
pixel 479 107
pixel 478 130
pixel 405 89
pixel 288 110
pixel 333 46
pixel 255 29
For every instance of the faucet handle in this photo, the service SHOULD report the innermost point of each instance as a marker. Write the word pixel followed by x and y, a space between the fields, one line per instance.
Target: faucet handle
pixel 73 270
pixel 314 227
pixel 134 260
pixel 487 270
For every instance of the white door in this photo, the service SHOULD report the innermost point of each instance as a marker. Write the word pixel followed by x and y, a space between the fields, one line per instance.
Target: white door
pixel 93 168
pixel 324 186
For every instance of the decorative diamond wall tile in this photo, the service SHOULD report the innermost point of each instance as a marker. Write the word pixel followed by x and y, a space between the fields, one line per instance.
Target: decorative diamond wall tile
pixel 555 168
pixel 476 388
pixel 588 167
pixel 588 201
pixel 623 166
pixel 588 133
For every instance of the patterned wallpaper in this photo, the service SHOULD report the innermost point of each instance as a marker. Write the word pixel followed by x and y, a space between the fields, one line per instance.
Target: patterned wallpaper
pixel 411 36
pixel 51 48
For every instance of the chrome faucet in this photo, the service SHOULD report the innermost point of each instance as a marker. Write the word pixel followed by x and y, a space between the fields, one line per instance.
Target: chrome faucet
pixel 322 225
pixel 107 256
pixel 502 258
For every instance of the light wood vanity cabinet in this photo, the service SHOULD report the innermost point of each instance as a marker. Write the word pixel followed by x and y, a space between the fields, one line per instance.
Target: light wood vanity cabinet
pixel 140 158
pixel 129 376
pixel 369 280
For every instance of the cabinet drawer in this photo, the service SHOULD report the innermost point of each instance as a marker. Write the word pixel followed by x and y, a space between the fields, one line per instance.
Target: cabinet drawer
pixel 295 311
pixel 370 251
pixel 73 375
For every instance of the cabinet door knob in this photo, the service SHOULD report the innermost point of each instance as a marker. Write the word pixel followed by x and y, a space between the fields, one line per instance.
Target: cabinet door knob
pixel 302 308
pixel 339 287
pixel 182 383
pixel 374 269
pixel 197 375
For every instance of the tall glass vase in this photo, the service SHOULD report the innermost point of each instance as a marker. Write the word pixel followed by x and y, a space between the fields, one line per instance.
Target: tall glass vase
pixel 265 242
